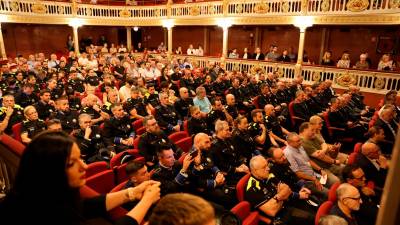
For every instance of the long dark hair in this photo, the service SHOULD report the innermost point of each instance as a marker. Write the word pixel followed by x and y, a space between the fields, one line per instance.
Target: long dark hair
pixel 42 168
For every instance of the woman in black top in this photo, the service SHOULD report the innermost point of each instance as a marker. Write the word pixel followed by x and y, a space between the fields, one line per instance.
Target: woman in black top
pixel 46 188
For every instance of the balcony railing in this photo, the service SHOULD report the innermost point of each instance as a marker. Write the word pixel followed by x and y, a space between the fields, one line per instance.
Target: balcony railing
pixel 367 80
pixel 232 8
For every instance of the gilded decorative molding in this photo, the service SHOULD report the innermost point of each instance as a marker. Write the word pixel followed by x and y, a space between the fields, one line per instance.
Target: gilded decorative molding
pixel 125 13
pixel 394 4
pixel 261 8
pixel 157 13
pixel 38 8
pixel 14 6
pixel 379 83
pixel 61 9
pixel 285 7
pixel 239 8
pixel 357 5
pixel 304 6
pixel 316 76
pixel 325 5
pixel 346 79
pixel 88 11
pixel 280 71
pixel 194 11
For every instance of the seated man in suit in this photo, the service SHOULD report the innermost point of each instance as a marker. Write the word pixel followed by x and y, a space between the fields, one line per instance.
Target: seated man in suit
pixel 373 163
pixel 386 121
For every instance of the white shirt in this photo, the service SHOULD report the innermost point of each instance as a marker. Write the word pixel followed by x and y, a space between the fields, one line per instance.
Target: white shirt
pixel 191 51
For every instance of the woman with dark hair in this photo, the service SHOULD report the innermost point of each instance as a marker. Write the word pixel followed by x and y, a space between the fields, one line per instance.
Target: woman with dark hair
pixel 46 188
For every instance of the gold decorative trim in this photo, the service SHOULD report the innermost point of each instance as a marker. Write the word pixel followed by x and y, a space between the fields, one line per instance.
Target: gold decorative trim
pixel 357 5
pixel 61 9
pixel 194 11
pixel 125 13
pixel 316 76
pixel 280 72
pixel 379 83
pixel 394 4
pixel 285 7
pixel 346 79
pixel 211 9
pixel 239 8
pixel 14 6
pixel 261 8
pixel 157 13
pixel 325 5
pixel 38 8
pixel 88 11
pixel 257 69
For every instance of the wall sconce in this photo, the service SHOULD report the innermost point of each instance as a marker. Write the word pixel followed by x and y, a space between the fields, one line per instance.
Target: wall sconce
pixel 135 29
pixel 75 22
pixel 303 22
pixel 168 24
pixel 251 39
pixel 225 23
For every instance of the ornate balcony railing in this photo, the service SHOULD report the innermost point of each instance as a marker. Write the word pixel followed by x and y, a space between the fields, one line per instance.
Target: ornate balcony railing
pixel 232 8
pixel 367 80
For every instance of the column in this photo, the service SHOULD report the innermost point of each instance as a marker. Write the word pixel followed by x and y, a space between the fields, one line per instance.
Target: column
pixel 76 39
pixel 301 45
pixel 2 46
pixel 323 43
pixel 129 38
pixel 205 40
pixel 225 42
pixel 169 40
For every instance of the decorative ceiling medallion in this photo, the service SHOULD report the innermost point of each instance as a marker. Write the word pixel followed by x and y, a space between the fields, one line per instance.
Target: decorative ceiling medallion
pixel 345 80
pixel 357 5
pixel 261 8
pixel 194 11
pixel 125 13
pixel 379 83
pixel 285 7
pixel 38 8
pixel 394 4
pixel 325 5
pixel 14 6
pixel 239 8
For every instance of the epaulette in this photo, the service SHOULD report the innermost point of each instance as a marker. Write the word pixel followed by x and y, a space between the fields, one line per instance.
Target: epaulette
pixel 25 121
pixel 253 183
pixel 16 106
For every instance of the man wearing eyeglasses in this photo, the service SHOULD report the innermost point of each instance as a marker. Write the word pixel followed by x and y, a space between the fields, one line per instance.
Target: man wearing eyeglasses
pixel 354 175
pixel 348 201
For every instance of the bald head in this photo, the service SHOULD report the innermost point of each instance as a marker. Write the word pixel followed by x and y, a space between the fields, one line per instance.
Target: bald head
pixel 230 99
pixel 256 162
pixel 370 150
pixel 268 109
pixel 202 141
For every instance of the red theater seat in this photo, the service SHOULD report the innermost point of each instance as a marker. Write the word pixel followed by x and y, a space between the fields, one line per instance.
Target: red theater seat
pixel 323 210
pixel 141 131
pixel 95 168
pixel 116 160
pixel 16 130
pixel 137 124
pixel 242 210
pixel 15 146
pixel 185 144
pixel 119 187
pixel 174 137
pixel 102 182
pixel 332 192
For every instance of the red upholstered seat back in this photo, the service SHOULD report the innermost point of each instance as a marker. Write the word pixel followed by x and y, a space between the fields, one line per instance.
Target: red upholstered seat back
pixel 242 210
pixel 102 182
pixel 323 210
pixel 185 144
pixel 96 167
pixel 332 192
pixel 116 160
pixel 15 146
pixel 16 130
pixel 174 137
pixel 241 187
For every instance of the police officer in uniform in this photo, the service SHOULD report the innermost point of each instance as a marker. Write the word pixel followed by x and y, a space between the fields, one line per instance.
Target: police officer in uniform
pixel 206 179
pixel 32 125
pixel 26 96
pixel 258 130
pixel 183 103
pixel 152 140
pixel 231 106
pixel 45 106
pixel 74 83
pixel 92 79
pixel 218 112
pixel 243 141
pixel 136 102
pixel 172 175
pixel 91 142
pixel 118 130
pixel 166 115
pixel 93 109
pixel 225 156
pixel 17 115
pixel 55 92
pixel 68 117
pixel 152 96
pixel 196 123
